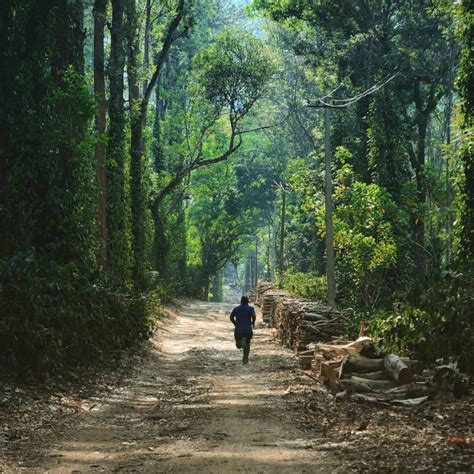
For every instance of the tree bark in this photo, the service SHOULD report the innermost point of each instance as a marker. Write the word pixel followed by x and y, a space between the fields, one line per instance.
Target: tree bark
pixel 361 364
pixel 138 120
pixel 146 41
pixel 160 245
pixel 157 149
pixel 136 146
pixel 424 109
pixel 69 53
pixel 99 13
pixel 118 248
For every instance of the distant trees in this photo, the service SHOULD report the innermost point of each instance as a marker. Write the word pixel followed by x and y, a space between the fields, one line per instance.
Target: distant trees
pixel 387 132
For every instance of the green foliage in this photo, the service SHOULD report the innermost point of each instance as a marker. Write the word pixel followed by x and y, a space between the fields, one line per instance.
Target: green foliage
pixel 234 71
pixel 465 84
pixel 60 314
pixel 217 220
pixel 404 330
pixel 306 285
pixel 365 245
pixel 442 326
pixel 56 306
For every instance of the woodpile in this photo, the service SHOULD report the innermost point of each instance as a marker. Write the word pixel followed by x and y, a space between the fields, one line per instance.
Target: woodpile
pixel 261 289
pixel 299 322
pixel 363 372
pixel 357 369
pixel 269 305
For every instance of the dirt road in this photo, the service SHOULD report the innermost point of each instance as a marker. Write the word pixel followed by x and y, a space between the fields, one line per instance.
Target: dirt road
pixel 192 407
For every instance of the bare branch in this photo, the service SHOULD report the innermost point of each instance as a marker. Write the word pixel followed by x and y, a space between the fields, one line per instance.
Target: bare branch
pixel 163 54
pixel 264 127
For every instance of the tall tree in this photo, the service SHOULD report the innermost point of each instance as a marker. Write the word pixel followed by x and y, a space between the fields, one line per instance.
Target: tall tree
pixel 118 243
pixel 100 17
pixel 138 122
pixel 465 84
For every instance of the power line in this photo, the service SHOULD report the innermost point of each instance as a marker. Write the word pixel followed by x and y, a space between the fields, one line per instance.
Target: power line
pixel 343 103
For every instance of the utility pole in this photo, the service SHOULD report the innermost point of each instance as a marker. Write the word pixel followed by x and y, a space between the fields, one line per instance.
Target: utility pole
pixel 328 104
pixel 330 259
pixel 281 262
pixel 256 260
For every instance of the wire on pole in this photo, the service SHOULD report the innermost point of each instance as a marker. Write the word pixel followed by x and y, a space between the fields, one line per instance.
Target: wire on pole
pixel 343 103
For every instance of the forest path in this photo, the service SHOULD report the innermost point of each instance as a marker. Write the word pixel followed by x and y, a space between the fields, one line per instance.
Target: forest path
pixel 193 407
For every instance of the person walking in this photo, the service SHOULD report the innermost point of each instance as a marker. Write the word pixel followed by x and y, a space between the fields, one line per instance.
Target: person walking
pixel 243 318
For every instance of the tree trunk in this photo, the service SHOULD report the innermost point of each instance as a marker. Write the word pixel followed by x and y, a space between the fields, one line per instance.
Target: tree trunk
pixel 118 248
pixel 158 163
pixel 146 41
pixel 69 48
pixel 418 222
pixel 424 109
pixel 136 147
pixel 160 245
pixel 99 13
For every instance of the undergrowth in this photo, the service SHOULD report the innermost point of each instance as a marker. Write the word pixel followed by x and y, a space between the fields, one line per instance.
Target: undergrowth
pixel 55 315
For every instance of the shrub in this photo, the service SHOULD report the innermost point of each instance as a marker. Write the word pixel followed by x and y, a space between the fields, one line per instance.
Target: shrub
pixel 57 314
pixel 442 325
pixel 306 285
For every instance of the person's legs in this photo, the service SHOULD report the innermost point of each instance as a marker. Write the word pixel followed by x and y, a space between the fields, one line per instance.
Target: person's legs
pixel 238 341
pixel 246 347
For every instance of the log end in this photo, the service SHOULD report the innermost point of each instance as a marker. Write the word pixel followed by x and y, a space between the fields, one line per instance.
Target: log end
pixel 405 376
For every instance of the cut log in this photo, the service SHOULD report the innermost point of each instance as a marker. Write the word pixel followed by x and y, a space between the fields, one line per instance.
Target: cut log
pixel 353 363
pixel 338 350
pixel 308 352
pixel 330 373
pixel 379 375
pixel 397 369
pixel 374 384
pixel 410 390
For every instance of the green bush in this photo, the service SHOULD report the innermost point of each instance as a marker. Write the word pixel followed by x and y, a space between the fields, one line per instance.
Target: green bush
pixel 403 330
pixel 306 285
pixel 58 315
pixel 442 325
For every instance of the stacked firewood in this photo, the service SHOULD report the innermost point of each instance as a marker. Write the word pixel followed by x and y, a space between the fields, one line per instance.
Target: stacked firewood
pixel 260 291
pixel 298 322
pixel 266 296
pixel 269 305
pixel 363 372
pixel 358 369
pixel 302 322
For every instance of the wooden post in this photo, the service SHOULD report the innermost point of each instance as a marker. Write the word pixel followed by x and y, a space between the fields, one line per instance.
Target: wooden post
pixel 281 260
pixel 330 260
pixel 256 261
